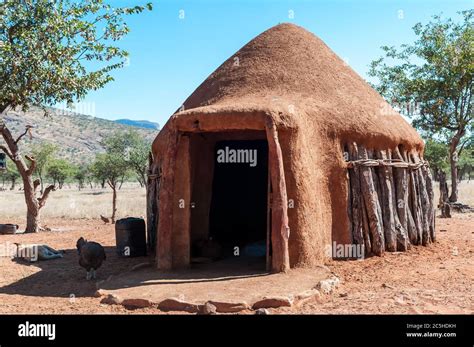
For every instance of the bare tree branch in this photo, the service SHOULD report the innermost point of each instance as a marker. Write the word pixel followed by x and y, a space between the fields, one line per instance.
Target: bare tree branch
pixel 28 129
pixel 44 197
pixel 36 184
pixel 32 167
pixel 7 152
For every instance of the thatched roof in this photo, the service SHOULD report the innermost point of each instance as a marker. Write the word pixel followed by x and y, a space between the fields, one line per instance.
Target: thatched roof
pixel 289 71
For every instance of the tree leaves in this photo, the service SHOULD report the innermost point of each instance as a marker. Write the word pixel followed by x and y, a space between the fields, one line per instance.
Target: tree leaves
pixel 44 44
pixel 431 80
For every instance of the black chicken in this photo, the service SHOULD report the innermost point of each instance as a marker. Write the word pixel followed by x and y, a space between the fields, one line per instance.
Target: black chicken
pixel 91 256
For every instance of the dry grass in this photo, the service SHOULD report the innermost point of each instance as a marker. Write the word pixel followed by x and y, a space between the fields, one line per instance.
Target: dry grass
pixel 466 192
pixel 71 203
pixel 90 203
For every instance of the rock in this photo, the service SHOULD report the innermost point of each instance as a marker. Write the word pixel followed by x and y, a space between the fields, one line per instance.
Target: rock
pixel 262 311
pixel 343 295
pixel 385 285
pixel 329 285
pixel 174 304
pixel 308 294
pixel 207 309
pixel 111 299
pixel 273 302
pixel 230 307
pixel 99 293
pixel 137 303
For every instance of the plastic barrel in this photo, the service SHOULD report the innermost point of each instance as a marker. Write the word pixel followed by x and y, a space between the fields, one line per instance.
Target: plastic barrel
pixel 130 237
pixel 8 228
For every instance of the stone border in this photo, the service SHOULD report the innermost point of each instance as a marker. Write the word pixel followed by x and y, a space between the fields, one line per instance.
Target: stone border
pixel 324 287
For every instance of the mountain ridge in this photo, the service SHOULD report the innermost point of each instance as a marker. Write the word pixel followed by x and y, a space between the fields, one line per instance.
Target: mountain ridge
pixel 78 137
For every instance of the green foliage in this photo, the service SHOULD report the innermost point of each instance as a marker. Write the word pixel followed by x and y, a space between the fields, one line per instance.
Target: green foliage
pixel 47 45
pixel 11 173
pixel 134 150
pixel 59 170
pixel 431 80
pixel 44 154
pixel 437 155
pixel 82 173
pixel 110 167
pixel 466 159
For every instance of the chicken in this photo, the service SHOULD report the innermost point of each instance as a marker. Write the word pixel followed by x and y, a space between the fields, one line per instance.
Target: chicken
pixel 91 256
pixel 104 219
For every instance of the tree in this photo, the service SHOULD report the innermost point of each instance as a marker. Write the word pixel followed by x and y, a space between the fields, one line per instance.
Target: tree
pixel 47 51
pixel 110 167
pixel 43 155
pixel 437 155
pixel 11 174
pixel 431 80
pixel 59 170
pixel 135 150
pixel 465 163
pixel 82 174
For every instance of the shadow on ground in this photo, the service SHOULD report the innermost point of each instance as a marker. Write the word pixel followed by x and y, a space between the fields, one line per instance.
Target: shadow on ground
pixel 63 277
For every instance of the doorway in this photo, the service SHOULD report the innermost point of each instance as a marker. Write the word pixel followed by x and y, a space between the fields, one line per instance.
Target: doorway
pixel 238 213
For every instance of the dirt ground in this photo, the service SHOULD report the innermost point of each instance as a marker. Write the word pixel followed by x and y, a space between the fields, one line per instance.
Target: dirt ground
pixel 434 279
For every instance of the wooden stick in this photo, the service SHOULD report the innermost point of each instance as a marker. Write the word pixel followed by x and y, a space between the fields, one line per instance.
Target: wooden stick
pixel 402 192
pixel 414 205
pixel 386 193
pixel 424 204
pixel 401 231
pixel 165 222
pixel 280 227
pixel 356 202
pixel 372 206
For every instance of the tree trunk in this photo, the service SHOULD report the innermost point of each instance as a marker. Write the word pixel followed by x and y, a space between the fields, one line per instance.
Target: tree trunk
pixel 32 202
pixel 444 196
pixel 114 200
pixel 42 184
pixel 453 159
pixel 32 206
pixel 454 179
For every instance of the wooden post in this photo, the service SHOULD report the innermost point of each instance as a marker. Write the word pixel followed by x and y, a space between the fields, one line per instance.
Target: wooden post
pixel 280 228
pixel 386 192
pixel 152 193
pixel 355 199
pixel 165 223
pixel 372 206
pixel 268 259
pixel 181 238
pixel 402 192
pixel 423 201
pixel 414 204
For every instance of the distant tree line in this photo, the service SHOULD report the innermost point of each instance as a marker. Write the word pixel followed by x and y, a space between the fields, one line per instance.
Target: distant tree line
pixel 437 153
pixel 125 160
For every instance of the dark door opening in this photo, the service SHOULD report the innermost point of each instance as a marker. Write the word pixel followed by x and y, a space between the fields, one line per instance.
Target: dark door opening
pixel 238 213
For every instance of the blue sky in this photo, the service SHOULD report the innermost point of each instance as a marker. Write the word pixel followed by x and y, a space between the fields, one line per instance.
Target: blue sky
pixel 170 56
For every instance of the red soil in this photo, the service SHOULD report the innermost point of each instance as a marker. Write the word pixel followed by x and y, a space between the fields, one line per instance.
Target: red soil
pixel 434 279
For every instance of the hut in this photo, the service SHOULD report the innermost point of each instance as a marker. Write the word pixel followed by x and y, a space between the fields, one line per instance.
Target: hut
pixel 336 165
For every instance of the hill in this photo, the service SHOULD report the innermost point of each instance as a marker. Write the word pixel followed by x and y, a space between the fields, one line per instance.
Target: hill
pixel 77 136
pixel 139 123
